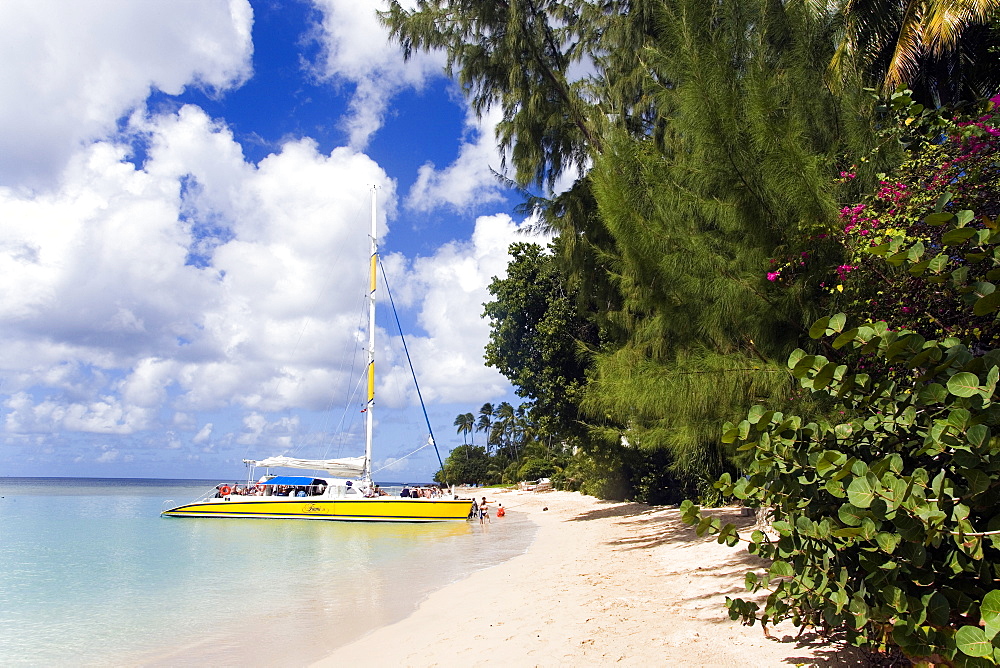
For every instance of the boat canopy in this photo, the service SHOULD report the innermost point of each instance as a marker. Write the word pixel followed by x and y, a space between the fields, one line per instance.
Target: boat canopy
pixel 293 480
pixel 348 467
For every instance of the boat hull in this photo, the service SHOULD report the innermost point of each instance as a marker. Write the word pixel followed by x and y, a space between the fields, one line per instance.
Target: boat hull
pixel 379 509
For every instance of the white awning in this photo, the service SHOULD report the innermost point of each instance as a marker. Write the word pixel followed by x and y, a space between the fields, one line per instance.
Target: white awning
pixel 348 467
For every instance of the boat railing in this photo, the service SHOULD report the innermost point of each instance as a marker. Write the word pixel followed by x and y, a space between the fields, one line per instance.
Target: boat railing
pixel 235 490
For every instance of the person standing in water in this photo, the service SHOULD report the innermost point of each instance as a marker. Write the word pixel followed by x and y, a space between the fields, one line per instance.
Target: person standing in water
pixel 484 512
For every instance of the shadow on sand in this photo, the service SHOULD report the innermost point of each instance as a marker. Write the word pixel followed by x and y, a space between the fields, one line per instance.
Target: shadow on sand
pixel 652 527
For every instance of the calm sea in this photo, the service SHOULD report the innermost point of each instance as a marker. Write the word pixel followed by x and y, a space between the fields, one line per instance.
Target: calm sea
pixel 90 574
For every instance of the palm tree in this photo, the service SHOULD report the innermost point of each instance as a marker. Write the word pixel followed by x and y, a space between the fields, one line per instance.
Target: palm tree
pixel 903 41
pixel 485 422
pixel 504 426
pixel 465 423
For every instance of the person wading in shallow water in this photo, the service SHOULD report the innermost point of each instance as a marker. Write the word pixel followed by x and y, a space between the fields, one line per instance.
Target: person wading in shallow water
pixel 484 512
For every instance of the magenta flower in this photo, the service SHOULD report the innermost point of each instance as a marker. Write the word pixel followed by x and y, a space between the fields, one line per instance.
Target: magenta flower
pixel 843 270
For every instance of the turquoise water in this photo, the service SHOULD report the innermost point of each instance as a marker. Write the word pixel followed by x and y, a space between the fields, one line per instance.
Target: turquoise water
pixel 90 574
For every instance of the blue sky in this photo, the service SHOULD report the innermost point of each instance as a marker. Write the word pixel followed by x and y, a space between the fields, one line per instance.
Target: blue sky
pixel 184 191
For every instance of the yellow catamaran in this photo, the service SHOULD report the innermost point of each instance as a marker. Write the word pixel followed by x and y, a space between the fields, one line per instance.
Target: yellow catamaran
pixel 348 494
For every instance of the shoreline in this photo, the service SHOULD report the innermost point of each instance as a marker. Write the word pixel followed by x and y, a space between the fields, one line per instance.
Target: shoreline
pixel 603 582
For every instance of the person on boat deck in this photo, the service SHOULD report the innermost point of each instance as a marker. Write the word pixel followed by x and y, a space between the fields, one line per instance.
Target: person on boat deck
pixel 405 494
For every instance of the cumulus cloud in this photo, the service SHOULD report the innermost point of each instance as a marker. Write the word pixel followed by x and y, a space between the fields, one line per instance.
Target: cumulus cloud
pixel 357 51
pixel 450 289
pixel 203 434
pixel 200 279
pixel 470 179
pixel 107 456
pixel 198 297
pixel 72 69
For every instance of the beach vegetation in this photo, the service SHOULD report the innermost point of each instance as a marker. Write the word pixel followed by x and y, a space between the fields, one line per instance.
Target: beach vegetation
pixel 712 149
pixel 944 50
pixel 884 510
pixel 465 425
pixel 466 464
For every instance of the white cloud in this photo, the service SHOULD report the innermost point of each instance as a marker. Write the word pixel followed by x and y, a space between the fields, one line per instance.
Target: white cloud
pixel 451 288
pixel 357 51
pixel 470 179
pixel 203 434
pixel 279 433
pixel 104 296
pixel 201 298
pixel 108 456
pixel 103 415
pixel 72 69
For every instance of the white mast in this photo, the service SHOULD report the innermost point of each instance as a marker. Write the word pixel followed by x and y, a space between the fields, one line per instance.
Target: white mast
pixel 369 418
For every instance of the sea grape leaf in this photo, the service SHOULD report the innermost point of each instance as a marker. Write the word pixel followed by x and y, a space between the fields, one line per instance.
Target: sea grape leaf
pixel 987 304
pixel 845 338
pixel 938 263
pixel 937 607
pixel 932 393
pixel 824 377
pixel 781 569
pixel 977 434
pixel 862 490
pixel 972 640
pixel 819 328
pixel 990 607
pixel 938 218
pixel 957 236
pixel 887 542
pixel 851 515
pixel 963 384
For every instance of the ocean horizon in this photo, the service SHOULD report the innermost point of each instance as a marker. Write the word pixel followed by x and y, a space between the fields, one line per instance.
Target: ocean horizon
pixel 90 574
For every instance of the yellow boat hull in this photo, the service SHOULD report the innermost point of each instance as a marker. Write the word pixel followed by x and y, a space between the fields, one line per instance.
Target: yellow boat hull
pixel 379 509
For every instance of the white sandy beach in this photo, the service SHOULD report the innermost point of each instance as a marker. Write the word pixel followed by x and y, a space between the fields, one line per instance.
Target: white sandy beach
pixel 604 583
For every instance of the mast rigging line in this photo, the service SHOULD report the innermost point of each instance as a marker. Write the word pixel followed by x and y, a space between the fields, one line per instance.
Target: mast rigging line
pixel 420 396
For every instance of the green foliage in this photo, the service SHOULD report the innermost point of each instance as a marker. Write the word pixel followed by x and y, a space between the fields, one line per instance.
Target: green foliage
pixel 915 249
pixel 465 464
pixel 887 518
pixel 743 173
pixel 465 424
pixel 595 474
pixel 515 56
pixel 535 336
pixel 516 448
pixel 944 49
pixel 536 468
